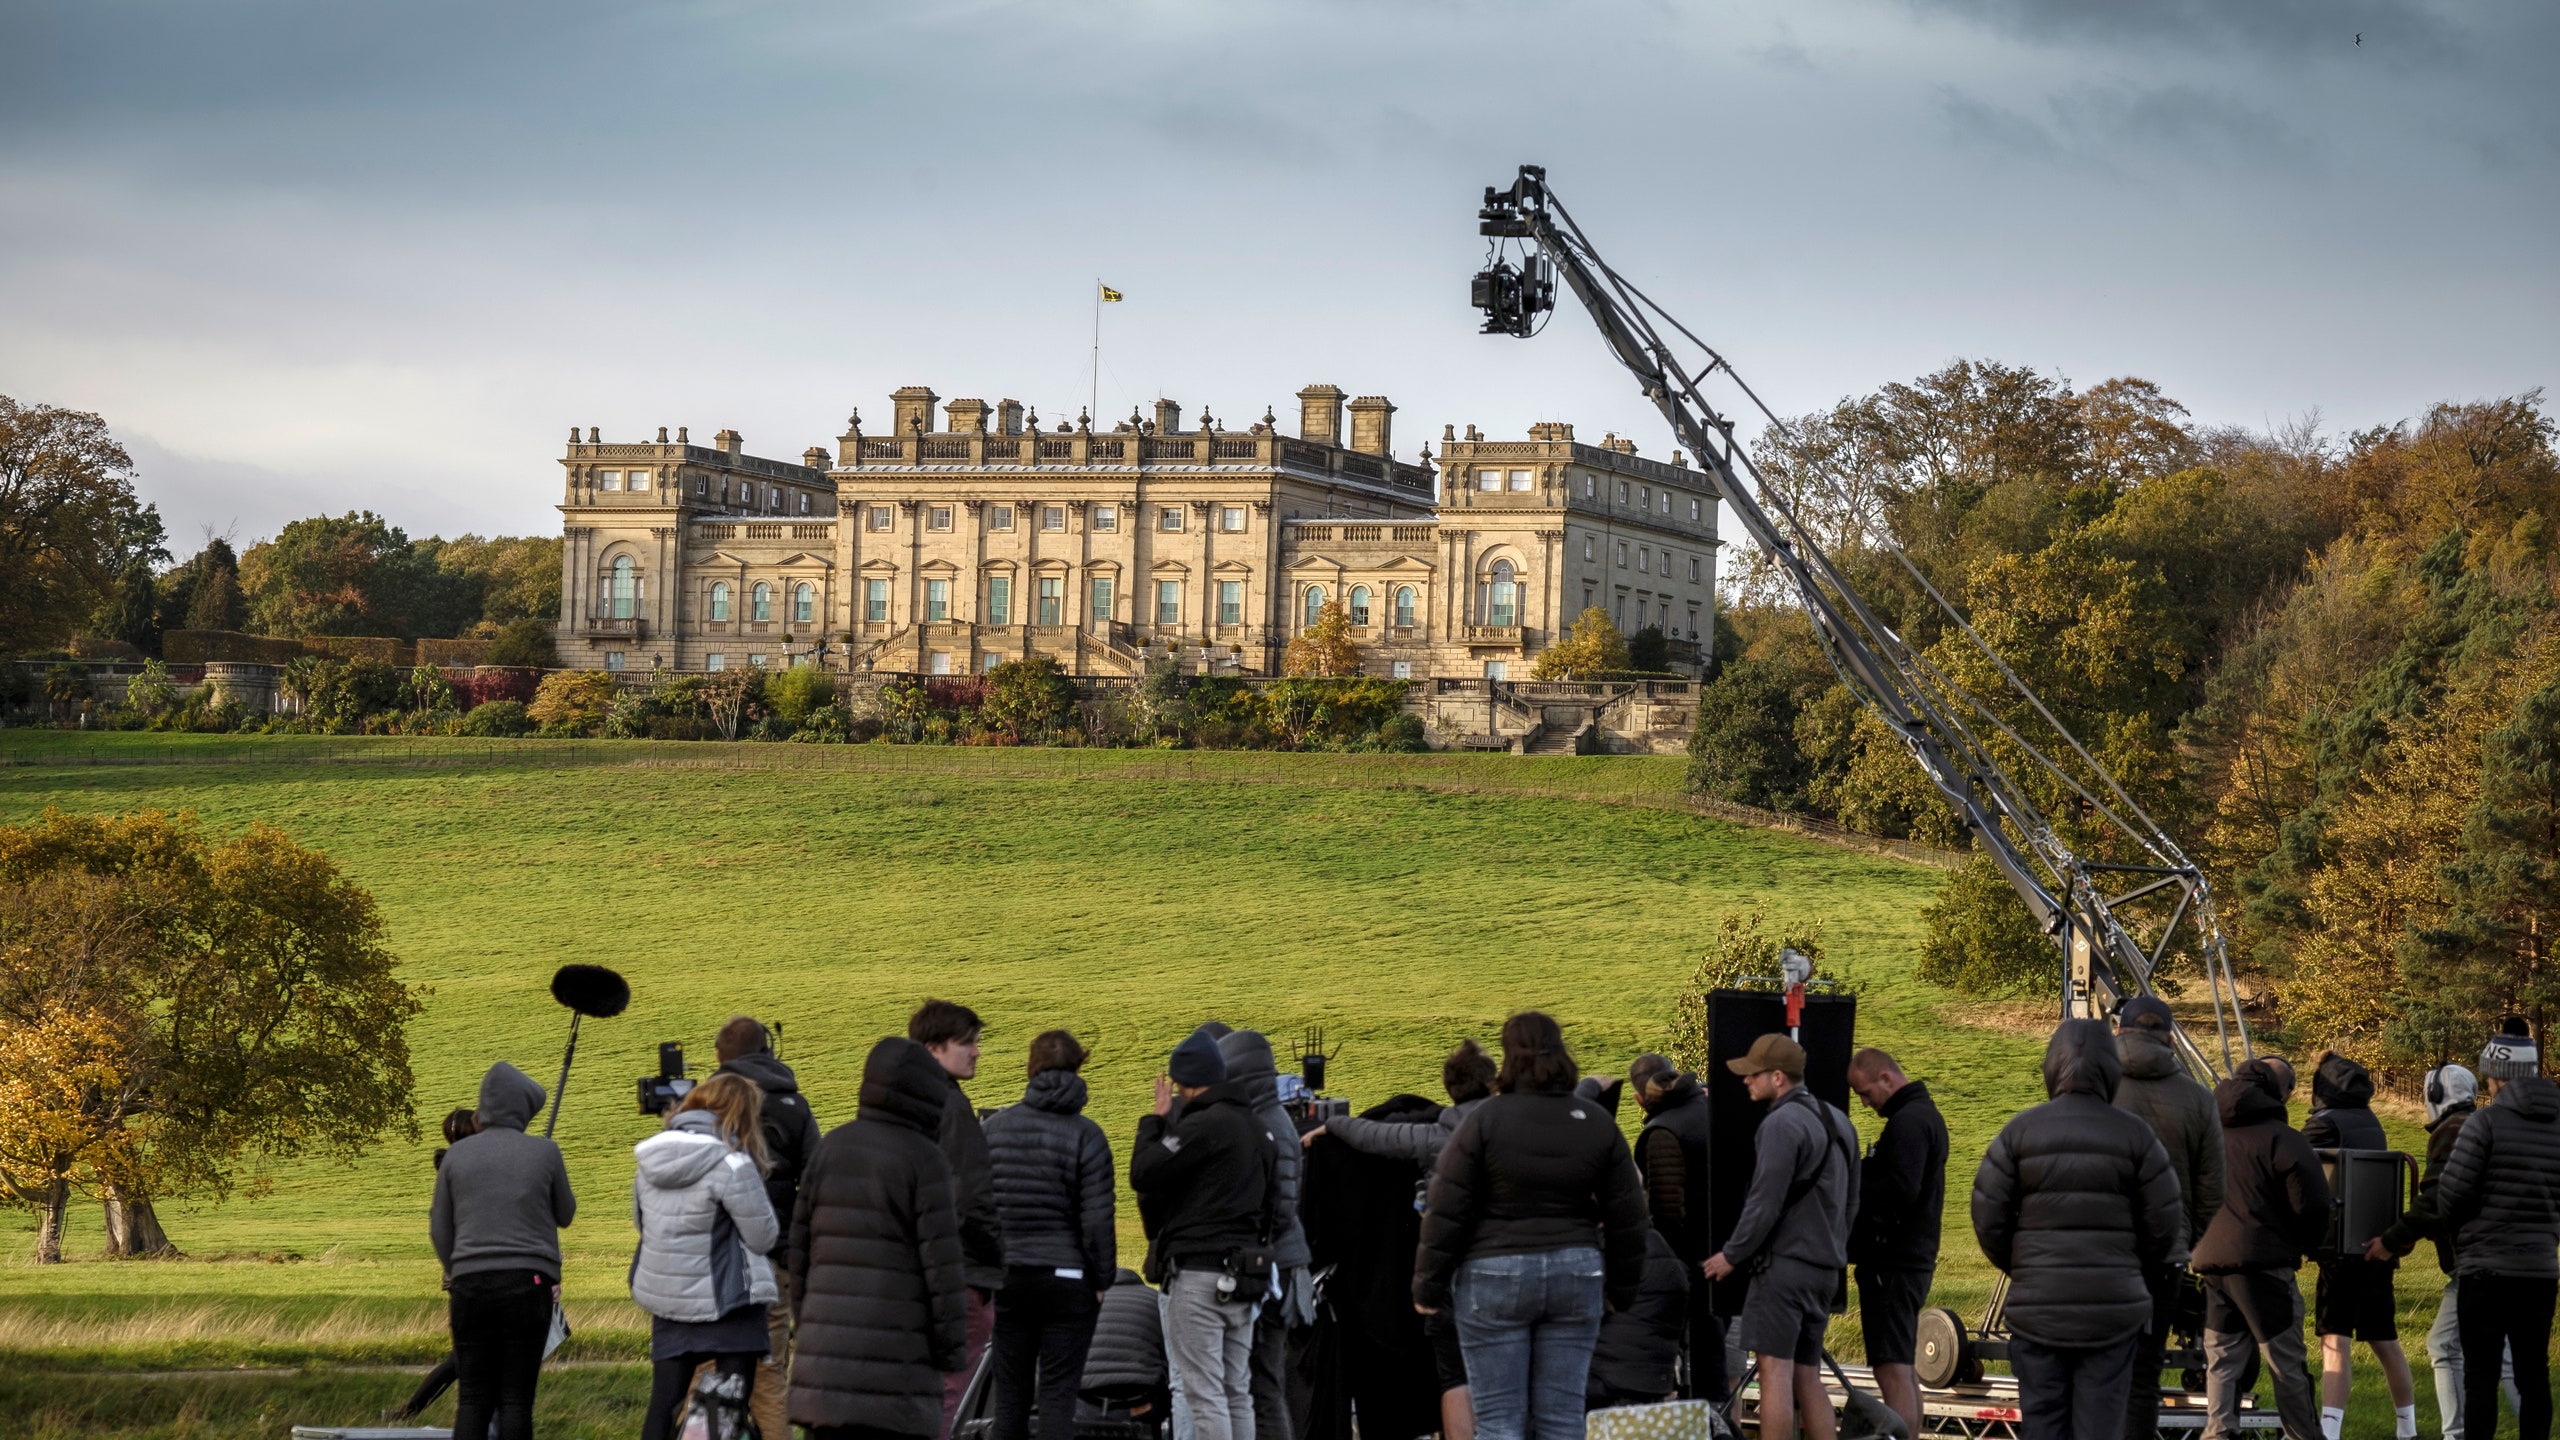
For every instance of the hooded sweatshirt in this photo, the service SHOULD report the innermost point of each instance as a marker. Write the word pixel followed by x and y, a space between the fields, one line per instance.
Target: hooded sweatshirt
pixel 790 1130
pixel 502 1195
pixel 2077 1203
pixel 2181 1112
pixel 2275 1200
pixel 1051 1170
pixel 2501 1186
pixel 2342 1115
pixel 1249 1064
pixel 705 1226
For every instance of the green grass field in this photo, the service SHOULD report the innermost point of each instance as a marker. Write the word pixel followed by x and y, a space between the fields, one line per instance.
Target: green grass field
pixel 1399 902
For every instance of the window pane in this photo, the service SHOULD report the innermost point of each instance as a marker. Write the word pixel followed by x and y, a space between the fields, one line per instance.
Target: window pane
pixel 1506 604
pixel 1172 517
pixel 939 517
pixel 999 517
pixel 1000 601
pixel 763 603
pixel 875 600
pixel 1230 602
pixel 804 603
pixel 1169 600
pixel 720 601
pixel 1106 517
pixel 1102 601
pixel 715 661
pixel 879 517
pixel 940 664
pixel 613 659
pixel 1231 518
pixel 608 479
pixel 1404 605
pixel 1359 604
pixel 1693 509
pixel 937 599
pixel 1644 560
pixel 1315 604
pixel 757 661
pixel 1520 479
pixel 1488 479
pixel 1402 670
pixel 1053 517
pixel 639 480
pixel 1052 598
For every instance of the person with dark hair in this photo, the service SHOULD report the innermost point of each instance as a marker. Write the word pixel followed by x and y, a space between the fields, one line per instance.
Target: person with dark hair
pixel 1050 1169
pixel 2452 1093
pixel 502 1197
pixel 878 1290
pixel 457 1123
pixel 2275 1207
pixel 2352 1299
pixel 1675 1153
pixel 791 1135
pixel 950 1033
pixel 1291 1305
pixel 1893 1242
pixel 701 1272
pixel 1536 1217
pixel 2157 1088
pixel 1636 1360
pixel 2501 1193
pixel 1792 1236
pixel 1467 1074
pixel 1207 1180
pixel 2075 1202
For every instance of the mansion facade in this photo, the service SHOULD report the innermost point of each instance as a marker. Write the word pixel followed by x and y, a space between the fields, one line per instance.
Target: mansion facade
pixel 947 548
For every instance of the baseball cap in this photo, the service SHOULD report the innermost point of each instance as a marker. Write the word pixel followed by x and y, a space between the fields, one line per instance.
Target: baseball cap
pixel 1772 1051
pixel 2144 1012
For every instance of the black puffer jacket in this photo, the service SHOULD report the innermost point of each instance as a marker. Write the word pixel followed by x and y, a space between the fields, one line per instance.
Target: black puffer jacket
pixel 2501 1187
pixel 2342 1115
pixel 2076 1201
pixel 874 1258
pixel 1051 1171
pixel 1529 1172
pixel 964 1144
pixel 790 1131
pixel 1902 1186
pixel 1639 1345
pixel 1128 1338
pixel 1250 1065
pixel 2275 1200
pixel 2424 1219
pixel 2181 1112
pixel 1206 1178
pixel 1675 1153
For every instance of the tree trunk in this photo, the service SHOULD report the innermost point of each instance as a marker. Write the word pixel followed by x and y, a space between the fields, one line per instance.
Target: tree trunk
pixel 133 1228
pixel 49 1230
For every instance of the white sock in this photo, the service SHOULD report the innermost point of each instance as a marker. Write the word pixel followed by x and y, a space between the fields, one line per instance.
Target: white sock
pixel 2404 1422
pixel 2332 1420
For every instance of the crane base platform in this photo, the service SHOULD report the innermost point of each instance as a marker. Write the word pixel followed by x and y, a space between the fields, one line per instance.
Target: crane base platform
pixel 1988 1410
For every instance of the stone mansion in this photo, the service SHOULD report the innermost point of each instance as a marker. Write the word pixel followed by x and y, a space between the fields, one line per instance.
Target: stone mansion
pixel 946 549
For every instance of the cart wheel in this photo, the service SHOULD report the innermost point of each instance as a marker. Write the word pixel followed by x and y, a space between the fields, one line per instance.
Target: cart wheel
pixel 2191 1379
pixel 1944 1353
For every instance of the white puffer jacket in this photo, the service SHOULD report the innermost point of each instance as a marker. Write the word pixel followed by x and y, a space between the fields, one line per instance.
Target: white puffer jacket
pixel 704 1222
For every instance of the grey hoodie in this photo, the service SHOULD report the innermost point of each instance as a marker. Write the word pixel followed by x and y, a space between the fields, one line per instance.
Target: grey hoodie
pixel 1249 1065
pixel 1801 1137
pixel 502 1195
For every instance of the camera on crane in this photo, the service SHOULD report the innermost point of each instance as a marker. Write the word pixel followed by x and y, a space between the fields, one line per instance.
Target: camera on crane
pixel 1513 296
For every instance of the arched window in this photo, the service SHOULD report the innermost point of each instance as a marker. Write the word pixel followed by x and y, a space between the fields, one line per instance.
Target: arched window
pixel 1359 604
pixel 626 588
pixel 1502 597
pixel 1404 605
pixel 804 601
pixel 763 603
pixel 720 601
pixel 1315 603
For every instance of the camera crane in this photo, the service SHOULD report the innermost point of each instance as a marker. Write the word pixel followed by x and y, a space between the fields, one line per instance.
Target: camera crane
pixel 1948 729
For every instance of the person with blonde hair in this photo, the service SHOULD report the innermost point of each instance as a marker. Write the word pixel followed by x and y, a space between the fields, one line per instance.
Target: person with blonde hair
pixel 705 1230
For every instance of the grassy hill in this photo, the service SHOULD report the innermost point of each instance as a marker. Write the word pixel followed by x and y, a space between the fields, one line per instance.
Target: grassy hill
pixel 1398 902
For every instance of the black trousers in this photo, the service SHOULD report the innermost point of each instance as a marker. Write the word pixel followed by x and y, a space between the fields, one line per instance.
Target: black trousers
pixel 1707 1380
pixel 670 1379
pixel 2142 1399
pixel 500 1319
pixel 2071 1393
pixel 1270 1370
pixel 431 1389
pixel 1044 1326
pixel 2495 1310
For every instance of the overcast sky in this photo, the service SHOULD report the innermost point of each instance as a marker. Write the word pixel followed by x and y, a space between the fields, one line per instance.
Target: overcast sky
pixel 321 256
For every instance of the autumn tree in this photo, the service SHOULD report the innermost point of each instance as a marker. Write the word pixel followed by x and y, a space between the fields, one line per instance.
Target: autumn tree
pixel 2492 952
pixel 1745 943
pixel 1325 650
pixel 1594 647
pixel 351 574
pixel 242 1010
pixel 70 522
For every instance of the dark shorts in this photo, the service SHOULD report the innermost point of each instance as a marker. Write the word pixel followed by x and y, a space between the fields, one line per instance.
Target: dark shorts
pixel 1787 1310
pixel 1450 1363
pixel 2354 1298
pixel 1889 1304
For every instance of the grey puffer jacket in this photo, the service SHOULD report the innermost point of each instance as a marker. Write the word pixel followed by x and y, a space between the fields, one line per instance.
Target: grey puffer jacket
pixel 2076 1202
pixel 2181 1112
pixel 1801 1137
pixel 1051 1171
pixel 1128 1339
pixel 2501 1188
pixel 1250 1065
pixel 1419 1141
pixel 705 1224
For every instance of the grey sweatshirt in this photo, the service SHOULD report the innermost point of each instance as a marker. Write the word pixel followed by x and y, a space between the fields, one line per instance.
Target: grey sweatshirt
pixel 1796 1140
pixel 502 1195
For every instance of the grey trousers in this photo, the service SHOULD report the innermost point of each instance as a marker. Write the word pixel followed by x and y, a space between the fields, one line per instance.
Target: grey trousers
pixel 1209 1344
pixel 2444 1353
pixel 2261 1308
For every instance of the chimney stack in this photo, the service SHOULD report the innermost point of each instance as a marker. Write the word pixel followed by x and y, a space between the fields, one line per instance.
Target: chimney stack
pixel 814 457
pixel 1371 419
pixel 730 442
pixel 967 417
pixel 1008 417
pixel 913 405
pixel 1168 417
pixel 1320 414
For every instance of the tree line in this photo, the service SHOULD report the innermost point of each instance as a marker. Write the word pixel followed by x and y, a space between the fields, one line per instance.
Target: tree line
pixel 2331 667
pixel 83 556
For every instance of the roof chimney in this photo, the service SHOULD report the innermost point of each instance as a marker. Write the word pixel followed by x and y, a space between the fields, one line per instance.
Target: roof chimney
pixel 967 416
pixel 814 457
pixel 1168 416
pixel 730 442
pixel 1008 417
pixel 1320 414
pixel 1371 416
pixel 914 407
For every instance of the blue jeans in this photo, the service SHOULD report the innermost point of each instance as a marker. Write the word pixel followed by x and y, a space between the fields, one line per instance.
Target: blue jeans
pixel 1526 1324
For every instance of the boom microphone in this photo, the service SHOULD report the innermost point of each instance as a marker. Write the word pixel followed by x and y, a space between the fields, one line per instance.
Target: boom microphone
pixel 586 990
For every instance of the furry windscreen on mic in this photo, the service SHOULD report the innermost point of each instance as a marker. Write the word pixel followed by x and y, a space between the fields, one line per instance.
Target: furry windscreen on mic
pixel 591 990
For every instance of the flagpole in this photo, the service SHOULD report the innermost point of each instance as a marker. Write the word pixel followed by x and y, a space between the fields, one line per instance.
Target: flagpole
pixel 1096 397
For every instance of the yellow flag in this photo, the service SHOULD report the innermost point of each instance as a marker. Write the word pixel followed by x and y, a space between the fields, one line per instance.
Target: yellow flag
pixel 1110 294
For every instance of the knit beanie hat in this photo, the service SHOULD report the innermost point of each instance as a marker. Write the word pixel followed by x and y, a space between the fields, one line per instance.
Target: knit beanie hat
pixel 2510 1054
pixel 1196 1061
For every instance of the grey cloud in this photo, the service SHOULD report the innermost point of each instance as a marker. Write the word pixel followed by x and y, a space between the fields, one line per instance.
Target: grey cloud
pixel 2393 30
pixel 2102 125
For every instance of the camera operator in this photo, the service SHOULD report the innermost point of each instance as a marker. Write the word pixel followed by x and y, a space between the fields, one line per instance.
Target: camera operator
pixel 790 1132
pixel 1902 1202
pixel 1292 1302
pixel 1675 1155
pixel 2181 1113
pixel 951 1032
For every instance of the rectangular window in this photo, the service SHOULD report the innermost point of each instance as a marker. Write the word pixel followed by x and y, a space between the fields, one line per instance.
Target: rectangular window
pixel 940 663
pixel 637 480
pixel 608 479
pixel 1231 518
pixel 999 600
pixel 1169 517
pixel 613 659
pixel 1488 479
pixel 773 497
pixel 1587 544
pixel 1693 569
pixel 937 600
pixel 1622 492
pixel 1053 598
pixel 1590 486
pixel 1693 622
pixel 1622 554
pixel 1401 670
pixel 804 502
pixel 715 661
pixel 701 486
pixel 1168 602
pixel 1230 602
pixel 757 661
pixel 1622 612
pixel 1586 597
pixel 938 517
pixel 1106 517
pixel 1053 517
pixel 875 601
pixel 1497 669
pixel 1644 560
pixel 1520 479
pixel 1102 600
pixel 988 662
pixel 999 517
pixel 880 517
pixel 1644 497
pixel 1693 509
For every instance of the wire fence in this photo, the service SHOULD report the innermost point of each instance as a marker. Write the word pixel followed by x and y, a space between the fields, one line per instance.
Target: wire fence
pixel 1588 780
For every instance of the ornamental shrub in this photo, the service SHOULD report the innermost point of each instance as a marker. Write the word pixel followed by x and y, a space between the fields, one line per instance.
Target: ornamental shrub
pixel 797 693
pixel 496 719
pixel 573 702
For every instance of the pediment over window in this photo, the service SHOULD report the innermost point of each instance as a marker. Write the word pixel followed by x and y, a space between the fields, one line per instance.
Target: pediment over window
pixel 1317 562
pixel 877 566
pixel 939 568
pixel 998 567
pixel 804 559
pixel 1231 567
pixel 1170 567
pixel 1406 564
